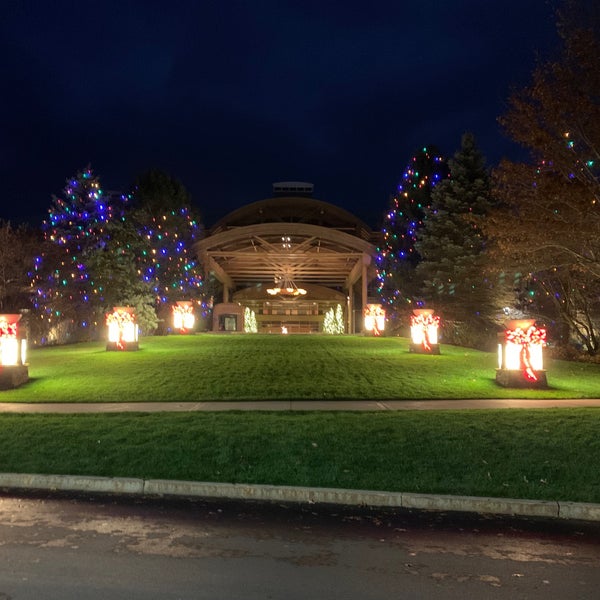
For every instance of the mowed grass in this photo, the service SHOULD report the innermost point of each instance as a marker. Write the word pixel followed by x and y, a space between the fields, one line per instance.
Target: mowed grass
pixel 539 454
pixel 273 367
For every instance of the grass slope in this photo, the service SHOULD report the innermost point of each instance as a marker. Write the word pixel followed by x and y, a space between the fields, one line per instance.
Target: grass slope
pixel 263 367
pixel 539 454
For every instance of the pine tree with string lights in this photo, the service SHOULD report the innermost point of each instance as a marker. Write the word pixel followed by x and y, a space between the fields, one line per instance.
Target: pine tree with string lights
pixel 170 226
pixel 169 264
pixel 450 242
pixel 67 299
pixel 397 256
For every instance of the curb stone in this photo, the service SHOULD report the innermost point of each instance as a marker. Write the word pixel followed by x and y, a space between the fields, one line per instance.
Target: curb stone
pixel 235 491
pixel 71 483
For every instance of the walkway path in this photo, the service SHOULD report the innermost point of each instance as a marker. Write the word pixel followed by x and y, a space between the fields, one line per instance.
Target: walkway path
pixel 366 405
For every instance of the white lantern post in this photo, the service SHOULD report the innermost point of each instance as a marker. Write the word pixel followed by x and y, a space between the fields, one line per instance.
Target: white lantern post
pixel 424 327
pixel 122 329
pixel 14 369
pixel 520 355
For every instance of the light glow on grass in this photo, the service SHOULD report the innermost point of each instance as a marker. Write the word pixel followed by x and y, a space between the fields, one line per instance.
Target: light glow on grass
pixel 215 367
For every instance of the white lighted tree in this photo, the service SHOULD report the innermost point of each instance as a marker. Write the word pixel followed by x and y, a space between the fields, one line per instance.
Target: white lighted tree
pixel 333 322
pixel 250 325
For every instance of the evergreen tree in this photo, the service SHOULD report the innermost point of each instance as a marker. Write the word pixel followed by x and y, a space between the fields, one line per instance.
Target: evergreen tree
pixel 66 293
pixel 116 271
pixel 250 324
pixel 18 246
pixel 451 243
pixel 158 193
pixel 169 264
pixel 170 226
pixel 339 324
pixel 398 256
pixel 333 321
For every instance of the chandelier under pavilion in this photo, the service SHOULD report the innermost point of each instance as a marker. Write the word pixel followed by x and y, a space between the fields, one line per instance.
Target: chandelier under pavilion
pixel 284 283
pixel 285 286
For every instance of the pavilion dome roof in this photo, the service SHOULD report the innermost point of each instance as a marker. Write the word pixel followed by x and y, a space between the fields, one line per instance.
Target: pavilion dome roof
pixel 294 209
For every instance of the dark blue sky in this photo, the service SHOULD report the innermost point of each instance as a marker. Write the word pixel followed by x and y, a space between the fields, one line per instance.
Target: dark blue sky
pixel 230 96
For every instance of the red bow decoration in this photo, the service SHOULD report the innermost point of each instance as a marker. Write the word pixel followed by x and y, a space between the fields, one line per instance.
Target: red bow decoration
pixel 425 321
pixel 8 330
pixel 526 338
pixel 121 318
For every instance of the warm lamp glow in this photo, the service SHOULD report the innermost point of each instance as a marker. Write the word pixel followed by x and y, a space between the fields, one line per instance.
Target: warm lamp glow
pixel 284 286
pixel 374 318
pixel 523 349
pixel 286 291
pixel 122 327
pixel 424 328
pixel 13 350
pixel 23 351
pixel 183 316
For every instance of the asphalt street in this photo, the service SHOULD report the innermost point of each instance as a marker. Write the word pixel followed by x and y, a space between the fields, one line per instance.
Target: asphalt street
pixel 63 547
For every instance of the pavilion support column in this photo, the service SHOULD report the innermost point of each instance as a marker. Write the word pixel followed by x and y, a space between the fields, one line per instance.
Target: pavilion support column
pixel 364 288
pixel 225 293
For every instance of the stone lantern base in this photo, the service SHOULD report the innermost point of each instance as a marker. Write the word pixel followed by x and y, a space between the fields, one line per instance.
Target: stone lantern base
pixel 420 349
pixel 124 347
pixel 515 378
pixel 12 376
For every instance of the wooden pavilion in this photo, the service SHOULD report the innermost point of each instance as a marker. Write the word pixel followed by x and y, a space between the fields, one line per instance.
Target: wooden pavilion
pixel 290 259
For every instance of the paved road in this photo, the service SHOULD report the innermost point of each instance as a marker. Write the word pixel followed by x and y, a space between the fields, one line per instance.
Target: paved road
pixel 65 548
pixel 362 405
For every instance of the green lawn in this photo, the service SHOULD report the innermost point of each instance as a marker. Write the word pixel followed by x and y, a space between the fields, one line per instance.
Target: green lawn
pixel 542 454
pixel 267 367
pixel 538 454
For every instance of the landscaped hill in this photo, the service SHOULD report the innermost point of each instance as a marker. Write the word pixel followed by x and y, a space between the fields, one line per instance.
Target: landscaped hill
pixel 276 367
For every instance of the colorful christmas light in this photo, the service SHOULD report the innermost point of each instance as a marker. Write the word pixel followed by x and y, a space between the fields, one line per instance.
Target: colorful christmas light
pixel 169 265
pixel 81 223
pixel 76 227
pixel 403 221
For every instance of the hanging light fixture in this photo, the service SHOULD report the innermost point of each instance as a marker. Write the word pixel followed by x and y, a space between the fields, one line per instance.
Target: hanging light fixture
pixel 285 286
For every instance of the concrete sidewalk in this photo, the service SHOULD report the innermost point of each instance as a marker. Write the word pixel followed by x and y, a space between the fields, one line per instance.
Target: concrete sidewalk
pixel 294 405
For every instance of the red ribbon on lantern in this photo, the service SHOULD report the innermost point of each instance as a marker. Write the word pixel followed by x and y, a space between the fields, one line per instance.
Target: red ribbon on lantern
pixel 425 321
pixel 121 318
pixel 8 330
pixel 526 338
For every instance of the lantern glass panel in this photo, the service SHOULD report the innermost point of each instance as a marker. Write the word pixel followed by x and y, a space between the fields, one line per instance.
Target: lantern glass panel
pixel 9 348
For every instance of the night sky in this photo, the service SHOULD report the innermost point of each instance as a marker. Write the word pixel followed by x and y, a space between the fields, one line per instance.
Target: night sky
pixel 230 96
